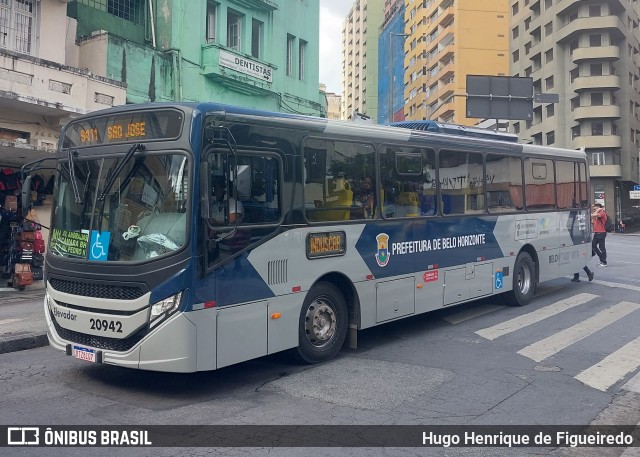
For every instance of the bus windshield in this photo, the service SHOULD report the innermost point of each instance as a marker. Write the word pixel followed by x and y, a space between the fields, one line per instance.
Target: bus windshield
pixel 128 208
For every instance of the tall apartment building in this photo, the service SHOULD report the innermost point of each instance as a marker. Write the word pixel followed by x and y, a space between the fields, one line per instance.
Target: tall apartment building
pixel 588 53
pixel 257 53
pixel 43 80
pixel 448 40
pixel 360 32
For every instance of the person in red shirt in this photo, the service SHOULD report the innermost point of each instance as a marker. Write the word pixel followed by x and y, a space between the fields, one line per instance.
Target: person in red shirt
pixel 598 218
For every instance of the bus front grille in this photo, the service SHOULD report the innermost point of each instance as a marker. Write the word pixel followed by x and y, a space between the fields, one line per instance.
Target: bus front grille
pixel 97 289
pixel 99 342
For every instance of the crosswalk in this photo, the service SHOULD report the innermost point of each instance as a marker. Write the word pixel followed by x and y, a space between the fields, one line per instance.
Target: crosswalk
pixel 602 375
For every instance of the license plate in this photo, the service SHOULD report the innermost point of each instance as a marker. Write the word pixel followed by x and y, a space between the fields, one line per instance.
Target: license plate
pixel 82 353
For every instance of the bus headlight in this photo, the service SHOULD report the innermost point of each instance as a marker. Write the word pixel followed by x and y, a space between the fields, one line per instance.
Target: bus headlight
pixel 164 308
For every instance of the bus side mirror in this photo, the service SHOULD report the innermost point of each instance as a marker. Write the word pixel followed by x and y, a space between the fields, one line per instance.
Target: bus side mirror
pixel 26 195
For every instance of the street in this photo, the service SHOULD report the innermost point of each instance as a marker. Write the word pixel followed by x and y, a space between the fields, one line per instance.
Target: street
pixel 568 358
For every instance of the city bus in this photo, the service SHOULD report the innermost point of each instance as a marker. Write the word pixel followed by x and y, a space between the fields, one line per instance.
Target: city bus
pixel 193 236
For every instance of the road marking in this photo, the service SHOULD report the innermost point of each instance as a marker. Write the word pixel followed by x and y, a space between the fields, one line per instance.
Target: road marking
pixel 633 384
pixel 542 349
pixel 617 284
pixel 470 313
pixel 491 333
pixel 9 321
pixel 613 367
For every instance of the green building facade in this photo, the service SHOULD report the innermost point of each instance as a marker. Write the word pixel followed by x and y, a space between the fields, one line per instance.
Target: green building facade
pixel 261 54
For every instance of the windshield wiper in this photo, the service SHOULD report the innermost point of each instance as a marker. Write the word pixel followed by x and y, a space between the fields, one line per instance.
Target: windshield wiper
pixel 72 176
pixel 112 179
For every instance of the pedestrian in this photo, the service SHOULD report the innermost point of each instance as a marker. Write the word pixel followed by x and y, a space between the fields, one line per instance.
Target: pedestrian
pixel 590 275
pixel 621 229
pixel 598 219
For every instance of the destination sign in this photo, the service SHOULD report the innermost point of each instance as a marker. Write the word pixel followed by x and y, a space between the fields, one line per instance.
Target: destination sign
pixel 124 127
pixel 326 244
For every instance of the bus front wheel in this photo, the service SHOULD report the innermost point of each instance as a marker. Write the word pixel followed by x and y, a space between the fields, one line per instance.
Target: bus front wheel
pixel 524 281
pixel 323 323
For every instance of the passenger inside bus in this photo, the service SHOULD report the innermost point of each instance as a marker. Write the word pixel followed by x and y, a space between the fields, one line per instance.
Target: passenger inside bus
pixel 366 198
pixel 226 210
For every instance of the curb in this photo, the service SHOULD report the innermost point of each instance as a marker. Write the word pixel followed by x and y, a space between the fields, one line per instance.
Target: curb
pixel 24 343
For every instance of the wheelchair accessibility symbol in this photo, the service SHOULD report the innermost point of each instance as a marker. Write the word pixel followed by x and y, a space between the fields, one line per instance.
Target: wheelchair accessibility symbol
pixel 498 284
pixel 99 245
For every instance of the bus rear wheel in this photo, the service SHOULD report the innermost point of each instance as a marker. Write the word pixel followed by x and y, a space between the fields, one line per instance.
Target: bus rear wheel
pixel 323 324
pixel 524 281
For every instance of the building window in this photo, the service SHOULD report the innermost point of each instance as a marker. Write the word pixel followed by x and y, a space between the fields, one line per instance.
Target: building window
pixel 594 10
pixel 130 10
pixel 575 103
pixel 597 158
pixel 234 23
pixel 595 40
pixel 17 25
pixel 573 46
pixel 302 56
pixel 212 10
pixel 256 38
pixel 597 99
pixel 595 69
pixel 547 4
pixel 597 129
pixel 548 56
pixel 514 9
pixel 516 55
pixel 573 74
pixel 551 137
pixel 515 32
pixel 548 83
pixel 575 131
pixel 290 42
pixel 550 110
pixel 548 29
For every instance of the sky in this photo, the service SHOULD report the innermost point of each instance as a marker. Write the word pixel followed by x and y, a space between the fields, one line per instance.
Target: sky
pixel 332 14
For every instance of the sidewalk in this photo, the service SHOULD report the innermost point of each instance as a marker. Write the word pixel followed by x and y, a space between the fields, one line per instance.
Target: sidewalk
pixel 22 322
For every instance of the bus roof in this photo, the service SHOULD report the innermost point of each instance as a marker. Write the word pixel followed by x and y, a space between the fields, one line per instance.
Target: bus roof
pixel 455 129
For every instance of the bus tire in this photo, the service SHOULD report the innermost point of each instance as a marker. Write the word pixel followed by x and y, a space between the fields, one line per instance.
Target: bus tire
pixel 323 324
pixel 524 281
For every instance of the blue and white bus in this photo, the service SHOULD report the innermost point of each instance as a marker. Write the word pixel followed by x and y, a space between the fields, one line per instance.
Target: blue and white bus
pixel 321 228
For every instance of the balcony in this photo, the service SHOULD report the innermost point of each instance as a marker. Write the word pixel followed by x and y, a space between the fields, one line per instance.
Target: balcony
pixel 447 14
pixel 612 24
pixel 567 5
pixel 604 82
pixel 609 53
pixel 446 52
pixel 597 112
pixel 605 171
pixel 597 142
